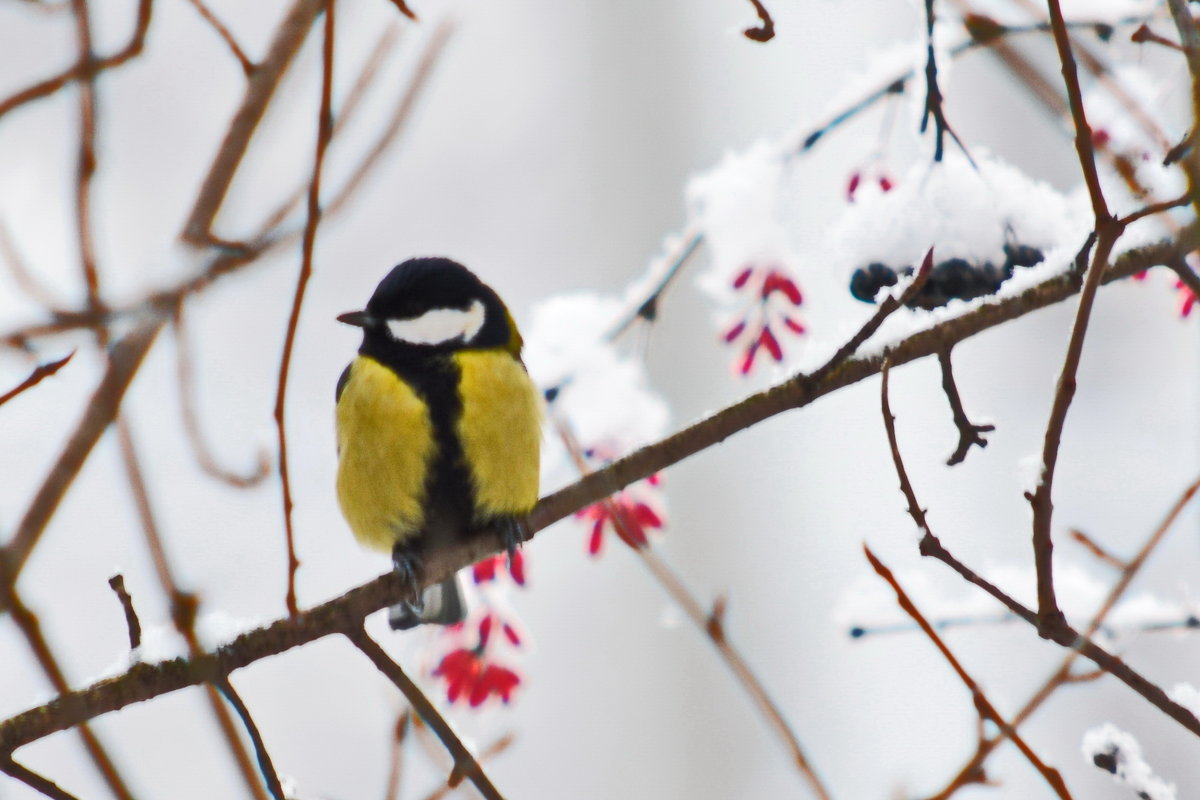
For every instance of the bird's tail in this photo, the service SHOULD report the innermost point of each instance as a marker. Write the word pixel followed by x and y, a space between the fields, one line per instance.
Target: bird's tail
pixel 441 604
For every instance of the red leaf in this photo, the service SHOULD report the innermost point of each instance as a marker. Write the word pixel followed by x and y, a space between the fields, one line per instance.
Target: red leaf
pixel 597 537
pixel 777 282
pixel 793 325
pixel 772 344
pixel 485 631
pixel 516 567
pixel 734 332
pixel 645 515
pixel 852 186
pixel 748 360
pixel 485 570
pixel 742 277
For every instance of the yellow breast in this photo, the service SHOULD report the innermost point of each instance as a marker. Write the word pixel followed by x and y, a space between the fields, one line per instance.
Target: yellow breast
pixel 500 431
pixel 385 446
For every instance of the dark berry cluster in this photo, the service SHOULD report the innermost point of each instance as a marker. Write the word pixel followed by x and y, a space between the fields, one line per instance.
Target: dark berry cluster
pixel 954 278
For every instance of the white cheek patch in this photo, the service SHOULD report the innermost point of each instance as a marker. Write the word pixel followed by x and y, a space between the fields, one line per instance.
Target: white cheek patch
pixel 439 325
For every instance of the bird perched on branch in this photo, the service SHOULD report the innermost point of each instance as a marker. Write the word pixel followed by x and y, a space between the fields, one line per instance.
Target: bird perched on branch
pixel 438 426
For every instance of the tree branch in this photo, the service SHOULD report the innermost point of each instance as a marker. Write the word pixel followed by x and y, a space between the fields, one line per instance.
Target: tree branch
pixel 465 763
pixel 123 362
pixel 145 681
pixel 982 704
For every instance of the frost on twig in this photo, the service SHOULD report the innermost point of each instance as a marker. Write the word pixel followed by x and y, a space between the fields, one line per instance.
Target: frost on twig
pixel 1113 750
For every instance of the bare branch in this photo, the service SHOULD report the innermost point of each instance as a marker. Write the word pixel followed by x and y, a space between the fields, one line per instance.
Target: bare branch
pixel 132 623
pixel 403 8
pixel 260 749
pixel 1095 549
pixel 91 67
pixel 1064 673
pixel 710 623
pixel 191 417
pixel 491 751
pixel 184 605
pixel 123 362
pixel 1083 131
pixel 465 764
pixel 396 760
pixel 259 89
pixel 968 432
pixel 1056 629
pixel 39 374
pixel 982 704
pixel 31 628
pixel 226 35
pixel 765 30
pixel 34 781
pixel 312 221
pixel 346 612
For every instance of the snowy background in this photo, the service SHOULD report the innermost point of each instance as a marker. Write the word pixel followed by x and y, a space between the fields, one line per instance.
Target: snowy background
pixel 552 153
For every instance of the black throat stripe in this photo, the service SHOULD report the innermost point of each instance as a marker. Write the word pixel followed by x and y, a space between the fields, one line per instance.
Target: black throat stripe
pixel 449 503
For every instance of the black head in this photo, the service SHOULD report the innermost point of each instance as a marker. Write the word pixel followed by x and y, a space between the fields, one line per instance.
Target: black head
pixel 434 304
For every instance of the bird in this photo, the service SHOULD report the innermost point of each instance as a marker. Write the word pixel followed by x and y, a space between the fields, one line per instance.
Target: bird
pixel 438 426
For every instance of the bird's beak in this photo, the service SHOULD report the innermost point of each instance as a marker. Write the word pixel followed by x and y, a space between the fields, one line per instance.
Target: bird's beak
pixel 359 319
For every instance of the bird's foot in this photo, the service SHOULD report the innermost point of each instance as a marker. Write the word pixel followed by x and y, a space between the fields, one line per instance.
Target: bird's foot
pixel 513 532
pixel 408 568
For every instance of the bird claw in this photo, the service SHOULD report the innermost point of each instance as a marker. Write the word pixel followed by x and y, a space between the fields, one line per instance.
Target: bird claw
pixel 513 532
pixel 408 568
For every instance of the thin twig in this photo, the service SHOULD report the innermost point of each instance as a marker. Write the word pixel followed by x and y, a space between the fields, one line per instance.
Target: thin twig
pixel 132 623
pixel 1186 275
pixel 1063 674
pixel 647 307
pixel 488 753
pixel 1189 40
pixel 191 417
pixel 29 625
pixel 124 359
pixel 396 759
pixel 39 374
pixel 226 35
pixel 1145 34
pixel 91 67
pixel 1155 208
pixel 982 704
pixel 403 8
pixel 312 220
pixel 400 116
pixel 465 764
pixel 968 432
pixel 22 274
pixel 184 605
pixel 1041 499
pixel 265 766
pixel 261 86
pixel 345 113
pixel 1095 549
pixel 86 163
pixel 765 30
pixel 34 781
pixel 993 40
pixel 933 95
pixel 711 624
pixel 1058 630
pixel 1083 131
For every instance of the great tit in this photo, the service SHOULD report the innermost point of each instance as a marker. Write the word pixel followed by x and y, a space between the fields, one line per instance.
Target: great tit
pixel 438 425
